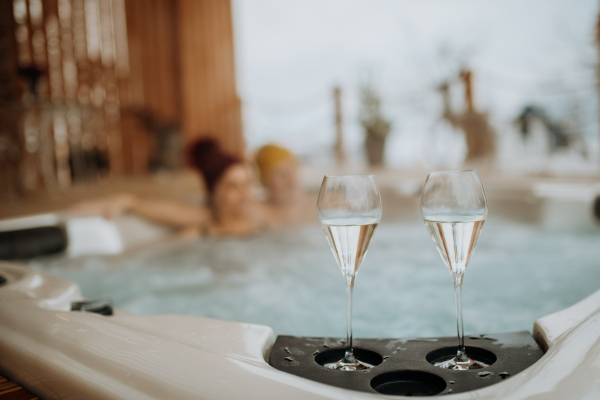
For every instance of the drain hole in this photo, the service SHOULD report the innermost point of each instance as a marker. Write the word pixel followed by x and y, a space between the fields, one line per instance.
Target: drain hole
pixel 475 353
pixel 408 383
pixel 333 355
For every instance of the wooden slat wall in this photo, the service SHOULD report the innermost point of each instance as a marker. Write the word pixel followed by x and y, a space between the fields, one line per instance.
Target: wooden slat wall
pixel 183 69
pixel 210 104
pixel 9 91
pixel 153 82
pixel 153 56
pixel 113 59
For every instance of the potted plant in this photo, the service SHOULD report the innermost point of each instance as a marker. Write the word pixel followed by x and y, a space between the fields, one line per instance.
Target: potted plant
pixel 375 126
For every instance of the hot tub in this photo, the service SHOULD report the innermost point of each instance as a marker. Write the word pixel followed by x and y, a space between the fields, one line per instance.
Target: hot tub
pixel 236 294
pixel 289 280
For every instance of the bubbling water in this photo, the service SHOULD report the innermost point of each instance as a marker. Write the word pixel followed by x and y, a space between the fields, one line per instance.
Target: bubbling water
pixel 286 280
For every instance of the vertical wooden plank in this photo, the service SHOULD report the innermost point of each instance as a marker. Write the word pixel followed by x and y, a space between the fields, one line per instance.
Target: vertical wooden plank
pixel 234 112
pixel 210 103
pixel 9 90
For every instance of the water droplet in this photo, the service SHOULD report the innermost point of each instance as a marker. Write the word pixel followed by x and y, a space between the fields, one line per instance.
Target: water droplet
pixel 481 337
pixel 287 350
pixel 324 345
pixel 366 371
pixel 451 382
pixel 485 374
pixel 385 358
pixel 504 375
pixel 290 359
pixel 315 353
pixel 449 390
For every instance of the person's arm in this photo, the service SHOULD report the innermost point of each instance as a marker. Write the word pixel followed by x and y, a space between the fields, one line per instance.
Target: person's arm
pixel 169 212
pixel 166 212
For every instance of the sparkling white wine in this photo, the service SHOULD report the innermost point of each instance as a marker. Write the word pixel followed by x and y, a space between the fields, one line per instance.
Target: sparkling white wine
pixel 455 236
pixel 349 239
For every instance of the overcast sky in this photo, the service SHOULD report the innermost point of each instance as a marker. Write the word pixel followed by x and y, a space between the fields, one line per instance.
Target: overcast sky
pixel 290 54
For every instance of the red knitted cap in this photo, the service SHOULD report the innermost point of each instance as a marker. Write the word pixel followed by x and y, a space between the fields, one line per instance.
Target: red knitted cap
pixel 207 157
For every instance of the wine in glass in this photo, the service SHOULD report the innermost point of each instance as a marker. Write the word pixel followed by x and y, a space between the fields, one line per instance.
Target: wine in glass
pixel 349 209
pixel 454 208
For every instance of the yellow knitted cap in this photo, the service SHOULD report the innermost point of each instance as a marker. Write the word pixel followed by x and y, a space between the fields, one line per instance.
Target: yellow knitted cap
pixel 270 157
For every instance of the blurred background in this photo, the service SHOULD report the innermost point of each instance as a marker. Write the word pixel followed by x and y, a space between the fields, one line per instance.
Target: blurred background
pixel 95 91
pixel 526 61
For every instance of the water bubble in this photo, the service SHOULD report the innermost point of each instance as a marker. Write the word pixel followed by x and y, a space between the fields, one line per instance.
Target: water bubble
pixel 287 350
pixel 449 390
pixel 504 375
pixel 290 359
pixel 451 382
pixel 485 374
pixel 315 353
pixel 325 345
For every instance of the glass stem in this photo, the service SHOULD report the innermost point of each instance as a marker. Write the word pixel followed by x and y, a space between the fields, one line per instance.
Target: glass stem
pixel 349 356
pixel 461 355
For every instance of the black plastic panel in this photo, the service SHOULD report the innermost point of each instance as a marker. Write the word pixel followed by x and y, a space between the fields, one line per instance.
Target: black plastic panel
pixel 405 365
pixel 100 306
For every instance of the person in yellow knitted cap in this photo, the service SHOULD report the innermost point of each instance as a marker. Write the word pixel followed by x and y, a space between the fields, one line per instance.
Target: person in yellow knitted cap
pixel 287 204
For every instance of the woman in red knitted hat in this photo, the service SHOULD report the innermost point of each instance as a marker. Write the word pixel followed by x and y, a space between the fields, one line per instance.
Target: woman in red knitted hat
pixel 233 209
pixel 230 210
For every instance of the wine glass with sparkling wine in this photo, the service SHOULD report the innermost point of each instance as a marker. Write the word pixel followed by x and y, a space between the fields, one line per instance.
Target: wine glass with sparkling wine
pixel 349 208
pixel 454 208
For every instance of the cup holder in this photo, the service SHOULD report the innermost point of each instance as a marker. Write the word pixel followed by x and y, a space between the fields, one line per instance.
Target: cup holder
pixel 404 366
pixel 475 353
pixel 333 355
pixel 408 383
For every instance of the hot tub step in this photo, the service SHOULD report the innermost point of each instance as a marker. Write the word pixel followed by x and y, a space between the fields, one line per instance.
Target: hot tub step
pixel 405 366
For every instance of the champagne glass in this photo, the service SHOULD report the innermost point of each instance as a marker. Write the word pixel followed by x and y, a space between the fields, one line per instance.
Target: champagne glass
pixel 454 208
pixel 349 209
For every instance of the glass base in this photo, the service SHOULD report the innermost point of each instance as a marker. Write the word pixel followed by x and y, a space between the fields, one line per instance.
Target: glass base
pixel 346 365
pixel 456 364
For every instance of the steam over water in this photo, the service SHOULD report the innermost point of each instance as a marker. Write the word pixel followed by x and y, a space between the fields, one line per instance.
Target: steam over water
pixel 290 280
